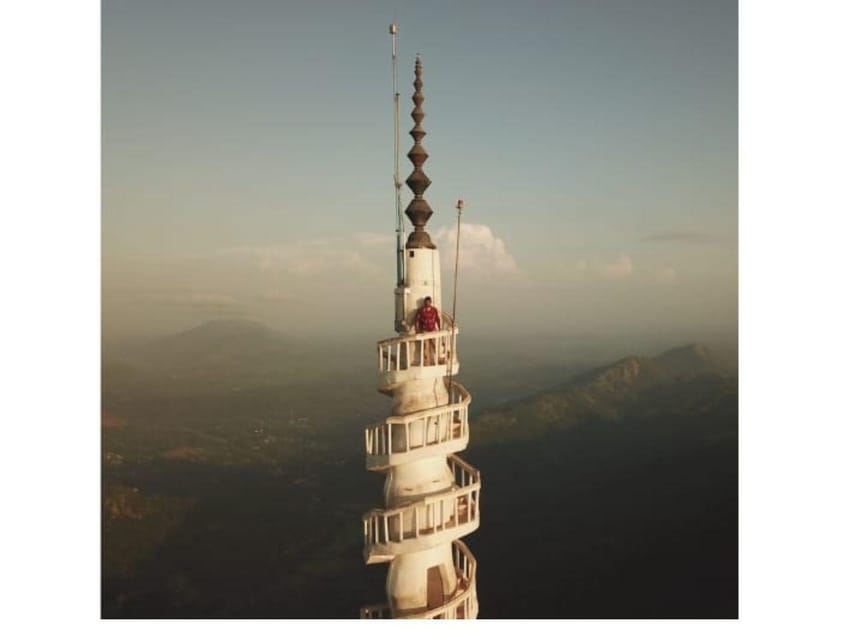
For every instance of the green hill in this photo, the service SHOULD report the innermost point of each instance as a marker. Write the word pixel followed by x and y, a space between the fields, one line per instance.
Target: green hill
pixel 685 379
pixel 614 495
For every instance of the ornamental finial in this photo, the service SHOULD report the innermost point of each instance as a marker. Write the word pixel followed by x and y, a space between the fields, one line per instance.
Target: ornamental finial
pixel 418 210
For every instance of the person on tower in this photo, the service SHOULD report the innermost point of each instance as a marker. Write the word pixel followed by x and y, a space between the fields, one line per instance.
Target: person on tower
pixel 428 319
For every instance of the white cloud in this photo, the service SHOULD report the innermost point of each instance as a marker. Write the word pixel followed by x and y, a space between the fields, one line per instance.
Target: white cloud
pixel 343 256
pixel 481 251
pixel 366 253
pixel 622 267
pixel 370 238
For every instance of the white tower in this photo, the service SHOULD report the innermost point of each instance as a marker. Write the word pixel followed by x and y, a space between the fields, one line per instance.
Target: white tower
pixel 432 497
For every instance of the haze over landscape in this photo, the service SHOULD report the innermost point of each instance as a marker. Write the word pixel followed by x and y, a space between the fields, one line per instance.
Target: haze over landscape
pixel 234 480
pixel 248 270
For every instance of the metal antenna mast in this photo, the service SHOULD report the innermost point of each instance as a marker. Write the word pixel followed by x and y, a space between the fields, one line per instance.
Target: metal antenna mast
pixel 401 276
pixel 459 204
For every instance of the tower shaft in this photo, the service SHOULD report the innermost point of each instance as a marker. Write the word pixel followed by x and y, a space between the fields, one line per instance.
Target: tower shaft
pixel 431 495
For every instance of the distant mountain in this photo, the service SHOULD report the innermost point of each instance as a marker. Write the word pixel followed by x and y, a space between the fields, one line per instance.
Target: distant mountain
pixel 682 379
pixel 238 370
pixel 690 360
pixel 613 494
pixel 617 493
pixel 216 340
pixel 219 348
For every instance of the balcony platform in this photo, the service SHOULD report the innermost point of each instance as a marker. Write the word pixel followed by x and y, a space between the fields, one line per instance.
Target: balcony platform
pixel 439 431
pixel 417 356
pixel 428 522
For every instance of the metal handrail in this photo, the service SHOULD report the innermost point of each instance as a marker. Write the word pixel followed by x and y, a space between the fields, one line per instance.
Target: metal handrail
pixel 460 398
pixel 378 436
pixel 466 486
pixel 426 335
pixel 446 322
pixel 463 401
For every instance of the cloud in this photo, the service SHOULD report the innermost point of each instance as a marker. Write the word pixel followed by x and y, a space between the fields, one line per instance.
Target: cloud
pixel 480 251
pixel 622 267
pixel 371 239
pixel 322 256
pixel 677 237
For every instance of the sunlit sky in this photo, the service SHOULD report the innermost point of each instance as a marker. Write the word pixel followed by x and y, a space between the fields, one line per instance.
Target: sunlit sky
pixel 248 159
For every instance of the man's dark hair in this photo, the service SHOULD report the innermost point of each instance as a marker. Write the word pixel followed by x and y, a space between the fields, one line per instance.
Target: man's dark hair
pixel 427 298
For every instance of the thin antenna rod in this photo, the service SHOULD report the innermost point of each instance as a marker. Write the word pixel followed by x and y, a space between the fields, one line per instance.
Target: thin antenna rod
pixel 459 204
pixel 401 276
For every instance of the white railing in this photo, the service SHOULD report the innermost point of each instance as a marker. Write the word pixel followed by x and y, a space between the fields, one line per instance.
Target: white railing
pixel 419 349
pixel 463 604
pixel 452 509
pixel 419 430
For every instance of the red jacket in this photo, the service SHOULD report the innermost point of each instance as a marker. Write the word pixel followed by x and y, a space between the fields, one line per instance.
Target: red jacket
pixel 427 319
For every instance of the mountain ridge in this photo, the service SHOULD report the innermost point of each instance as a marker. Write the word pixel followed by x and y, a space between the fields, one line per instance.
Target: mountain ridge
pixel 679 379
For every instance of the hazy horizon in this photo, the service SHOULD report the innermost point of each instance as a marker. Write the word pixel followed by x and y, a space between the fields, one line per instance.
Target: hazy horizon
pixel 247 160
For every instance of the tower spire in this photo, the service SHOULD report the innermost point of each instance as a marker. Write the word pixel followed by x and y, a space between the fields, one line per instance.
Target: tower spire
pixel 432 496
pixel 418 210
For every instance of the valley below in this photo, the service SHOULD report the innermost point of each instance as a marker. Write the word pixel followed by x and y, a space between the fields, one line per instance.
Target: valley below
pixel 233 480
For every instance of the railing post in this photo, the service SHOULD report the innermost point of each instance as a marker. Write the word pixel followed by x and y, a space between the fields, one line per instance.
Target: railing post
pixel 389 439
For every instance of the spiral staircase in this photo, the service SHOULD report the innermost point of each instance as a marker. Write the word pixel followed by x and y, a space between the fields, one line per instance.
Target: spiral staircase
pixel 432 496
pixel 440 518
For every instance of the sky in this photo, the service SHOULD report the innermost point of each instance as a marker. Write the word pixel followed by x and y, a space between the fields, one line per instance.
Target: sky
pixel 247 162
